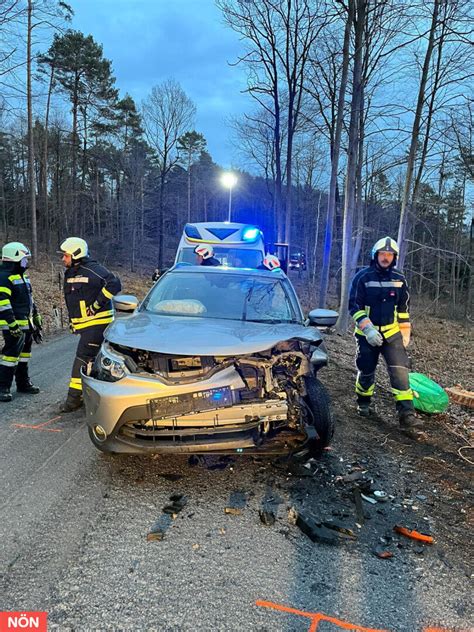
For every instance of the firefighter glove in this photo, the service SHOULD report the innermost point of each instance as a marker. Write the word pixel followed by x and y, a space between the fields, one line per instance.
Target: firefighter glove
pixel 91 310
pixel 373 336
pixel 405 330
pixel 15 330
pixel 71 328
pixel 37 335
pixel 38 320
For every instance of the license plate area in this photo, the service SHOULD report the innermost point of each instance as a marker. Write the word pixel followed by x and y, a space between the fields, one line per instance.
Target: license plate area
pixel 187 403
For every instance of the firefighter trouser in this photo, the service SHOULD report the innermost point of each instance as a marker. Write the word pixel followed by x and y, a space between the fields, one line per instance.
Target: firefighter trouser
pixel 89 344
pixel 396 359
pixel 14 359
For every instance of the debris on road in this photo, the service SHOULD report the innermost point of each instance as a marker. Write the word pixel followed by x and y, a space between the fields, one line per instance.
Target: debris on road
pixel 233 511
pixel 381 553
pixel 155 535
pixel 178 502
pixel 267 517
pixel 413 534
pixel 322 532
pixel 368 499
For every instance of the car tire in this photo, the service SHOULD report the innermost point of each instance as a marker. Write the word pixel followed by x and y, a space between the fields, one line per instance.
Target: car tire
pixel 318 401
pixel 103 447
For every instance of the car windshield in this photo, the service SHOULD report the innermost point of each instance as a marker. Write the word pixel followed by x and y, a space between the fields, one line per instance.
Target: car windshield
pixel 225 296
pixel 231 257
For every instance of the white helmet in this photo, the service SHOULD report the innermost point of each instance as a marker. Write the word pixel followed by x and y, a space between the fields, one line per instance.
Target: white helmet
pixel 271 262
pixel 74 246
pixel 15 251
pixel 204 250
pixel 386 244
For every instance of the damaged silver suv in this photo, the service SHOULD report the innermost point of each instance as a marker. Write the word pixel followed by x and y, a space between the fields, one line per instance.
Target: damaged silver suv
pixel 213 360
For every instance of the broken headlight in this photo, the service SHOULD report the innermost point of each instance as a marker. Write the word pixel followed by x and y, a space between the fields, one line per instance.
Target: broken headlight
pixel 109 366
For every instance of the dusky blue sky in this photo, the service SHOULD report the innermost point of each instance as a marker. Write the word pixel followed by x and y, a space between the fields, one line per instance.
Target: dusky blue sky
pixel 149 41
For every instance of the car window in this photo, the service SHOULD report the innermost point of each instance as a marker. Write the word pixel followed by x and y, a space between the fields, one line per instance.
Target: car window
pixel 226 296
pixel 231 257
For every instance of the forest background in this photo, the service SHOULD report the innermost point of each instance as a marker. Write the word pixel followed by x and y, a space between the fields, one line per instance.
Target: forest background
pixel 359 125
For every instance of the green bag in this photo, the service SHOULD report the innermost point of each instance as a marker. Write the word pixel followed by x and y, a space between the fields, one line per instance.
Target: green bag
pixel 428 397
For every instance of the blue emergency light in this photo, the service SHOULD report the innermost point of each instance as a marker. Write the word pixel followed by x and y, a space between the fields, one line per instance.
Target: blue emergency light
pixel 250 233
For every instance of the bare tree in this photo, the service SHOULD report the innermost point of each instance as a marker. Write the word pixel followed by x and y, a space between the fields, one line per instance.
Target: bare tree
pixel 359 13
pixel 167 114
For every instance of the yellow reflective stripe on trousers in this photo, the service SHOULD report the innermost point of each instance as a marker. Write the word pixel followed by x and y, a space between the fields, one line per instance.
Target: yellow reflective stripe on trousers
pixel 76 383
pixel 8 360
pixel 362 391
pixel 106 293
pixel 5 290
pixel 24 357
pixel 5 324
pixel 92 323
pixel 401 396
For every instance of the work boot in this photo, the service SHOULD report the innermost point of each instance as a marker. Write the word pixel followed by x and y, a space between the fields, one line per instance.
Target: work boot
pixel 5 395
pixel 27 387
pixel 71 404
pixel 364 409
pixel 410 424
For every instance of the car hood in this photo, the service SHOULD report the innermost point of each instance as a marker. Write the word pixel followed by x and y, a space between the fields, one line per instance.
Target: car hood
pixel 202 336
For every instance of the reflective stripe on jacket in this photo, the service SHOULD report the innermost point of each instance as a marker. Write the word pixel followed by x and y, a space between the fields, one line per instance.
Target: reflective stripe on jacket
pixel 382 296
pixel 16 299
pixel 89 284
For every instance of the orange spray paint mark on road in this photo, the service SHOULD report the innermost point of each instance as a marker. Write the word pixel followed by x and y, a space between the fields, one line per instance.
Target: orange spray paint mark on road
pixel 40 426
pixel 317 617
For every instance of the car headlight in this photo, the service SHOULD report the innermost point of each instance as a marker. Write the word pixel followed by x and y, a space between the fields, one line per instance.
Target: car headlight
pixel 109 366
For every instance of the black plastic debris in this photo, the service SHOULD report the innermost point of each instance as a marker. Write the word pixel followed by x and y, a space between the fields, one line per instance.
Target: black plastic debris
pixel 267 518
pixel 322 532
pixel 172 477
pixel 358 504
pixel 178 501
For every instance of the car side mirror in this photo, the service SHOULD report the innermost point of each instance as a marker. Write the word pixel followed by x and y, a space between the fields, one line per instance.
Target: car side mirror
pixel 322 317
pixel 125 303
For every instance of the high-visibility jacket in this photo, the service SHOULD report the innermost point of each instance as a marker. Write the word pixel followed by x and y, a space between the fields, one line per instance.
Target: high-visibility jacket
pixel 89 284
pixel 16 297
pixel 382 296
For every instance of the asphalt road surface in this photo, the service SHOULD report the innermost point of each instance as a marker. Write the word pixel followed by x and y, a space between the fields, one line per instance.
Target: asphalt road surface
pixel 74 526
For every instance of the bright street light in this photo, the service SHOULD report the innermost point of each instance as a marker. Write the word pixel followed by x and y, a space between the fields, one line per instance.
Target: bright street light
pixel 229 180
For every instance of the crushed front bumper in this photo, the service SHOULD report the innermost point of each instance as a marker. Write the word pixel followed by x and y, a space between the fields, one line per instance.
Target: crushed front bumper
pixel 124 410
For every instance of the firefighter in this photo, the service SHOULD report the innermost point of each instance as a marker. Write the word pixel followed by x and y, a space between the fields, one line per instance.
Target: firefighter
pixel 205 256
pixel 379 304
pixel 19 320
pixel 88 290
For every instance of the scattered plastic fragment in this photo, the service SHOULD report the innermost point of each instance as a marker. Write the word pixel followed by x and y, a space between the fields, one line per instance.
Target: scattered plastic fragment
pixel 414 535
pixel 267 517
pixel 382 554
pixel 368 499
pixel 155 535
pixel 322 532
pixel 234 511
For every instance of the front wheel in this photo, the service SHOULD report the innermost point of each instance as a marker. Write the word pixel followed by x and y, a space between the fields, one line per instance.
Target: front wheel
pixel 320 415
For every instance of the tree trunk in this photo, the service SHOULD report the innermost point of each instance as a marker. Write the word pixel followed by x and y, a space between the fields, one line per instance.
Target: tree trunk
pixel 350 191
pixel 331 208
pixel 415 137
pixel 31 146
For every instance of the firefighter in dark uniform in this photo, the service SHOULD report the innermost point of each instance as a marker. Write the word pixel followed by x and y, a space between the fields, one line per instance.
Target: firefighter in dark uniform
pixel 205 256
pixel 19 320
pixel 379 304
pixel 88 290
